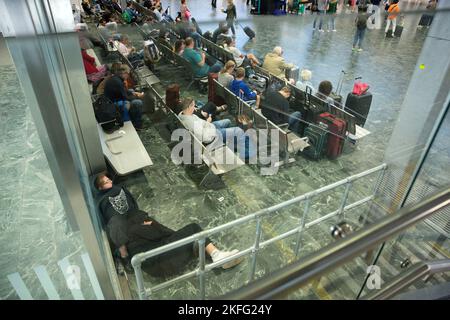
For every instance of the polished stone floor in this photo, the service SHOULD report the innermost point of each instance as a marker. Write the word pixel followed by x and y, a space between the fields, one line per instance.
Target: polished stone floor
pixel 171 192
pixel 32 218
pixel 34 230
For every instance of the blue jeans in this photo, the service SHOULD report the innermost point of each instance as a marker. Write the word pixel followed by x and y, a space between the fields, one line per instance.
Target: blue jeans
pixel 244 143
pixel 230 24
pixel 294 121
pixel 359 37
pixel 331 21
pixel 216 67
pixel 197 39
pixel 319 15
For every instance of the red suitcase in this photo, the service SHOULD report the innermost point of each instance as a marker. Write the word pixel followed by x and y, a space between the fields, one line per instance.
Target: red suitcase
pixel 336 137
pixel 212 90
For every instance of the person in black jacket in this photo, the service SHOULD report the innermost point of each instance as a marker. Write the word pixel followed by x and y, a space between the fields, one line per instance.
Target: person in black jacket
pixel 231 16
pixel 116 92
pixel 115 203
pixel 275 107
pixel 134 232
pixel 145 233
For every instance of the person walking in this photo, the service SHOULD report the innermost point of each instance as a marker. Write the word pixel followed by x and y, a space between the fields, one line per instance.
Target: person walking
pixel 231 16
pixel 393 11
pixel 361 26
pixel 331 12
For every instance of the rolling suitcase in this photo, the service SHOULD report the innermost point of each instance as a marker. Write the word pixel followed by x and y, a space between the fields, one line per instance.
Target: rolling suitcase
pixel 173 97
pixel 425 20
pixel 248 31
pixel 336 96
pixel 398 31
pixel 317 138
pixel 212 90
pixel 337 129
pixel 359 106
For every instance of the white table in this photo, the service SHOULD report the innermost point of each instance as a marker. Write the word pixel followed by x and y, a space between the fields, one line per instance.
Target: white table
pixel 124 149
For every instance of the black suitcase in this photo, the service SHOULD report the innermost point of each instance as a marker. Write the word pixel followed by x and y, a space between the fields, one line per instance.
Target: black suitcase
pixel 248 31
pixel 317 138
pixel 359 106
pixel 426 20
pixel 398 31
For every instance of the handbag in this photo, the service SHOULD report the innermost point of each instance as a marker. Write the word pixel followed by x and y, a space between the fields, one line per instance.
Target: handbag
pixel 359 88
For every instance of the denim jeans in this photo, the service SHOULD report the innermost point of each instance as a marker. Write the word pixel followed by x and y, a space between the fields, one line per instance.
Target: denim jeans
pixel 319 15
pixel 230 24
pixel 135 112
pixel 359 37
pixel 294 122
pixel 216 67
pixel 331 19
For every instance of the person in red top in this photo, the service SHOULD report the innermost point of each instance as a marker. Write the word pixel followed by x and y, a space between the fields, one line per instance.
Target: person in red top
pixel 393 10
pixel 93 72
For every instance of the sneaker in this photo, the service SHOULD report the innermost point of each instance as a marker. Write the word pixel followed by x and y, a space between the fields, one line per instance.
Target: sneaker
pixel 126 263
pixel 354 49
pixel 360 49
pixel 220 255
pixel 334 30
pixel 321 30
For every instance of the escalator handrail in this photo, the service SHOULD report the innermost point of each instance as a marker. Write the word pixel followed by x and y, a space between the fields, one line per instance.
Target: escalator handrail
pixel 295 275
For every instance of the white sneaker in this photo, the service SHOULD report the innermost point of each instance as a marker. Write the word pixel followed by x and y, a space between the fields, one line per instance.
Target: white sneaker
pixel 321 30
pixel 220 255
pixel 334 30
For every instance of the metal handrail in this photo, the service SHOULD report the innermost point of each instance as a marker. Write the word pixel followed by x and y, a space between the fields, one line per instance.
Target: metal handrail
pixel 298 230
pixel 407 278
pixel 290 278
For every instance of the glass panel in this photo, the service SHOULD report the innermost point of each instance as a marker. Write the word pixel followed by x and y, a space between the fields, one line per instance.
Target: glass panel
pixel 42 256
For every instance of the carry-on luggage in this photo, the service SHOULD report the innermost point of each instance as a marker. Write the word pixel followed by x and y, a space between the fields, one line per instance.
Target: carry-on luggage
pixel 398 31
pixel 317 138
pixel 314 106
pixel 248 31
pixel 173 97
pixel 337 129
pixel 426 20
pixel 212 90
pixel 359 106
pixel 258 82
pixel 293 73
pixel 336 96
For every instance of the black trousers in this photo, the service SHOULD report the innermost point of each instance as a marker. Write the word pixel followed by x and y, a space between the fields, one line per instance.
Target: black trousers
pixel 214 3
pixel 175 261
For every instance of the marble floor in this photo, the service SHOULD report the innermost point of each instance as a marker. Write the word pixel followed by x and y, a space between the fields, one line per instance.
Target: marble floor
pixel 171 192
pixel 32 219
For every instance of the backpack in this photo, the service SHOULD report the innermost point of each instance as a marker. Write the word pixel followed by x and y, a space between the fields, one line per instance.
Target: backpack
pixel 361 23
pixel 151 51
pixel 107 114
pixel 126 17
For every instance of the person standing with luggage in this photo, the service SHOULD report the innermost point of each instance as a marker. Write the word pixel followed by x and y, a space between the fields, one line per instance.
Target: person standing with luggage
pixel 393 11
pixel 361 26
pixel 231 16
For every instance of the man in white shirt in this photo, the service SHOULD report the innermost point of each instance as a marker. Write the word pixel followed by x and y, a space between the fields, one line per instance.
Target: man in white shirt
pixel 240 58
pixel 207 131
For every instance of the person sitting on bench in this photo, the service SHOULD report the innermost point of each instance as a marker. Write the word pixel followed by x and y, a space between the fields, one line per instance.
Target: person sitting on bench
pixel 94 73
pixel 129 101
pixel 274 63
pixel 180 45
pixel 205 130
pixel 222 29
pixel 325 88
pixel 145 233
pixel 197 60
pixel 241 59
pixel 208 131
pixel 305 81
pixel 241 89
pixel 275 107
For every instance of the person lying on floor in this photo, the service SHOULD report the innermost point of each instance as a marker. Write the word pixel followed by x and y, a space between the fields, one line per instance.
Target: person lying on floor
pixel 145 233
pixel 115 203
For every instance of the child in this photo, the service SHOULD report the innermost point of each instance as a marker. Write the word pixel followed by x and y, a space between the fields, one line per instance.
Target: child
pixel 361 26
